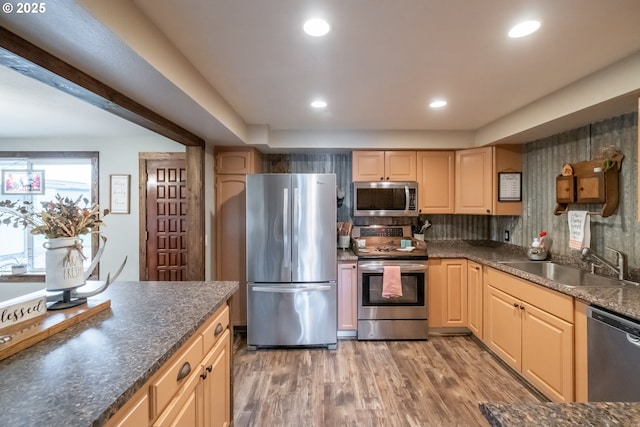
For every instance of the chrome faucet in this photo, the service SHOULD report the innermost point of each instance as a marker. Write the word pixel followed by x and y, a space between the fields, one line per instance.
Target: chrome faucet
pixel 618 268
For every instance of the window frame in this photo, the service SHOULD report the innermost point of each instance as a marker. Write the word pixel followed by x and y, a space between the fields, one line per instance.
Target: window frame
pixel 94 156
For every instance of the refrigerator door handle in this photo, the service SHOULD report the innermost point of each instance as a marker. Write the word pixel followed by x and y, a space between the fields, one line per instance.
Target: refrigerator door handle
pixel 285 229
pixel 295 208
pixel 288 290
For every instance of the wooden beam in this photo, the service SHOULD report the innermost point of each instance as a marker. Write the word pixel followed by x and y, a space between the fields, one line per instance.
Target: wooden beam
pixel 32 61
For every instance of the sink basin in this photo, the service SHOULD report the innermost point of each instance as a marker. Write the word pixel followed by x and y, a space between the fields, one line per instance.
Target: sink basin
pixel 568 276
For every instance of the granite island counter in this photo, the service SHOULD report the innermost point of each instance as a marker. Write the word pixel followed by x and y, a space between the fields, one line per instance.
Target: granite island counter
pixel 82 375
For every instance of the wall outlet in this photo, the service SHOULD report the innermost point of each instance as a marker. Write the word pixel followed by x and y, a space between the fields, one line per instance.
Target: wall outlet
pixel 506 235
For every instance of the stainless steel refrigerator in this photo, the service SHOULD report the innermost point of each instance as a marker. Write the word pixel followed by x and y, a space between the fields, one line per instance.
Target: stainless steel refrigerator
pixel 291 260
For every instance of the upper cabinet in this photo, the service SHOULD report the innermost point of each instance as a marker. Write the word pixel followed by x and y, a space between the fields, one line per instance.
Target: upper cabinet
pixel 436 177
pixel 237 161
pixel 476 180
pixel 384 166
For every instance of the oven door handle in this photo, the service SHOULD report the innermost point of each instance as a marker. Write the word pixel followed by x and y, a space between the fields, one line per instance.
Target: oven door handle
pixel 403 269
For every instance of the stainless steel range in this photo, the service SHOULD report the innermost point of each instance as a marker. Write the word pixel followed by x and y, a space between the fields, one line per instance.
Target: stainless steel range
pixel 403 317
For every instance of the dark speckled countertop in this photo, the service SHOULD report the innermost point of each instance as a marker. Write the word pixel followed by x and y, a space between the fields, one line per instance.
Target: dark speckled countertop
pixel 84 374
pixel 625 300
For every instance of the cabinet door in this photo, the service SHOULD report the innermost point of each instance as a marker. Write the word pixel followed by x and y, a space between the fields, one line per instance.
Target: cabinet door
pixel 347 297
pixel 400 165
pixel 474 181
pixel 502 326
pixel 368 166
pixel 435 290
pixel 230 240
pixel 474 298
pixel 217 383
pixel 547 353
pixel 436 180
pixel 454 295
pixel 591 188
pixel 234 162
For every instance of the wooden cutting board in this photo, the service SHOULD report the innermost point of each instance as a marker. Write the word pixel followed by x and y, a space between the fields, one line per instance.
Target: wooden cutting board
pixel 32 332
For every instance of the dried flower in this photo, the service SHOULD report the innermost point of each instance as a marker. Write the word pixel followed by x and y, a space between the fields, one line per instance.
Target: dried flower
pixel 62 217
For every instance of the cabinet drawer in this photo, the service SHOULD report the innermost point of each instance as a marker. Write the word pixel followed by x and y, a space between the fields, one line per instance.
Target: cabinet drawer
pixel 165 387
pixel 215 329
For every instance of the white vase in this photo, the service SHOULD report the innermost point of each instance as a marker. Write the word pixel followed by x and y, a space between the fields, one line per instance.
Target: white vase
pixel 63 263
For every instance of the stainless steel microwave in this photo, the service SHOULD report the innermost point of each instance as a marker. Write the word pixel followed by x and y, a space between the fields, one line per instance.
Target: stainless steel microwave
pixel 385 198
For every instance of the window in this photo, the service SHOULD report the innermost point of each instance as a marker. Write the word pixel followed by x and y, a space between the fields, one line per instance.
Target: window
pixel 70 174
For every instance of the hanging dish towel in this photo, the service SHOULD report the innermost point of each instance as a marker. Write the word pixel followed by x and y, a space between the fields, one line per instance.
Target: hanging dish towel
pixel 579 229
pixel 391 282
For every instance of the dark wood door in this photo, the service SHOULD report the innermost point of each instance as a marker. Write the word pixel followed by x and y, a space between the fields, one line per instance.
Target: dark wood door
pixel 166 220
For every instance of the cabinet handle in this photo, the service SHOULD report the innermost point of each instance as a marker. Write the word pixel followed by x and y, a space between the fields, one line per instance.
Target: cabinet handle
pixel 387 178
pixel 209 368
pixel 353 266
pixel 218 330
pixel 203 375
pixel 522 307
pixel 382 178
pixel 184 371
pixel 515 304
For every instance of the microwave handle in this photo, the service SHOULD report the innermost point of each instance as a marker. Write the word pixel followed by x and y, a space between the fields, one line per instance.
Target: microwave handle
pixel 407 198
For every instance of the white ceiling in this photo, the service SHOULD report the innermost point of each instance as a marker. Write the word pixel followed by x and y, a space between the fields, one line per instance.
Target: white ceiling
pixel 383 61
pixel 378 68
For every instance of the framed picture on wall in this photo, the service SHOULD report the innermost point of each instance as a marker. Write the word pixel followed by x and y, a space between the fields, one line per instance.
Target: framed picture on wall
pixel 22 181
pixel 119 197
pixel 509 186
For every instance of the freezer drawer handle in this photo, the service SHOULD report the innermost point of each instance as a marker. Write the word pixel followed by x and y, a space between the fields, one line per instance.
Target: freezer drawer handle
pixel 633 340
pixel 291 290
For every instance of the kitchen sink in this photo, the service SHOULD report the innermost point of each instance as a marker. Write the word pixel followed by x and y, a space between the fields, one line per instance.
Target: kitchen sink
pixel 568 276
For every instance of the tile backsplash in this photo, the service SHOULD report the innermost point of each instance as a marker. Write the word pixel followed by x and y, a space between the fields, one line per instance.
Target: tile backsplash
pixel 542 162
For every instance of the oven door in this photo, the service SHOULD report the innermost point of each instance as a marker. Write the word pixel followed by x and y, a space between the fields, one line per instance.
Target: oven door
pixel 411 305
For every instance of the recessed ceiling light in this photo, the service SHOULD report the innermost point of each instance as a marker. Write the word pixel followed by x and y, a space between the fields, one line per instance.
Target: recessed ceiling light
pixel 438 103
pixel 318 103
pixel 524 29
pixel 316 27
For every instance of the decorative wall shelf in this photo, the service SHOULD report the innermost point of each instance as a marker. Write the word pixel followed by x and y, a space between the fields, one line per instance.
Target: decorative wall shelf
pixel 591 181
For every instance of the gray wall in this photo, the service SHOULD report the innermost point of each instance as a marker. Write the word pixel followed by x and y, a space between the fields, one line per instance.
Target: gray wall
pixel 542 162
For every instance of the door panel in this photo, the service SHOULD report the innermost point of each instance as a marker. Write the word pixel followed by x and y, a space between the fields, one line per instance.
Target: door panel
pixel 314 220
pixel 166 220
pixel 269 228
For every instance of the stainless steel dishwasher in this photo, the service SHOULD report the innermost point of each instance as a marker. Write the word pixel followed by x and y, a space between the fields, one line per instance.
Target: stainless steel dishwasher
pixel 613 357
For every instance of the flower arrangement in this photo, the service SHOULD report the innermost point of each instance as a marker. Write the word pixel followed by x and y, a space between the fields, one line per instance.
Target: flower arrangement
pixel 62 217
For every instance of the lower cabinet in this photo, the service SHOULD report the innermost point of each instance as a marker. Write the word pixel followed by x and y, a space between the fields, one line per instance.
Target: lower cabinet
pixel 347 296
pixel 531 329
pixel 193 389
pixel 447 289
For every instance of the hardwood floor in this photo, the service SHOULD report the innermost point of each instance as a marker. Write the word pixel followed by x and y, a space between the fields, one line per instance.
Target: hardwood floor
pixel 438 382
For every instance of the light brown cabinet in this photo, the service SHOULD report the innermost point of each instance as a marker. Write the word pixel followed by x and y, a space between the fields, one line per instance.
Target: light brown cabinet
pixel 447 294
pixel 232 167
pixel 192 389
pixel 436 181
pixel 384 166
pixel 531 329
pixel 347 296
pixel 476 180
pixel 474 297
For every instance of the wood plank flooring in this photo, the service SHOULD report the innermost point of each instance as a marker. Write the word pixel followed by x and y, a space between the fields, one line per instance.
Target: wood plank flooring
pixel 438 382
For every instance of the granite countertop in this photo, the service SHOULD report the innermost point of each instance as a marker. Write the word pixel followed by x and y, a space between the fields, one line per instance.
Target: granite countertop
pixel 624 300
pixel 595 414
pixel 84 374
pixel 346 255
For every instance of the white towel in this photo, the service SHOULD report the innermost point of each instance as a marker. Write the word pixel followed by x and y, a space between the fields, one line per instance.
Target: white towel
pixel 579 229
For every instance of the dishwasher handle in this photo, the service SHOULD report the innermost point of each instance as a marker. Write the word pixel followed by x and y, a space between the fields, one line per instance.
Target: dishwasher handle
pixel 631 328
